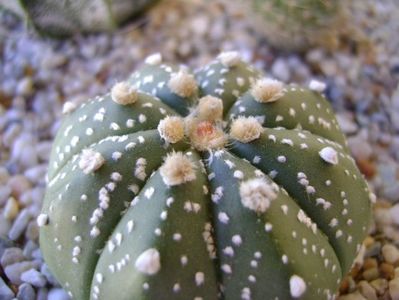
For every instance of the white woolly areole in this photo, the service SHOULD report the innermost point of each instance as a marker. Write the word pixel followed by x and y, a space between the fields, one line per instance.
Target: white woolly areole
pixel 210 108
pixel 267 90
pixel 68 107
pixel 229 58
pixel 317 86
pixel 171 129
pixel 182 84
pixel 90 161
pixel 205 135
pixel 42 220
pixel 154 59
pixel 124 94
pixel 245 129
pixel 257 194
pixel 297 286
pixel 149 262
pixel 177 169
pixel 329 155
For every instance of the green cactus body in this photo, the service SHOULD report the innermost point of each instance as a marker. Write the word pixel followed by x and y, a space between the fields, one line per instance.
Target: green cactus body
pixel 60 18
pixel 219 185
pixel 296 24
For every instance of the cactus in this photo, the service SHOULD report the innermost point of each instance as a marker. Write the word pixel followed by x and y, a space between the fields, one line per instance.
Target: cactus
pixel 218 184
pixel 298 24
pixel 61 18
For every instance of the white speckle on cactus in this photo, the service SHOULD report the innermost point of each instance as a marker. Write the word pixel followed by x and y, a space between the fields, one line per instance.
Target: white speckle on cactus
pixel 329 155
pixel 94 232
pixel 90 161
pixel 238 174
pixel 142 118
pixel 281 159
pixel 154 59
pixel 257 194
pixel 297 286
pixel 42 220
pixel 267 90
pixel 229 251
pixel 176 287
pixel 171 129
pixel 149 192
pixel 246 294
pixel 183 260
pixel 229 58
pixel 124 94
pixel 68 107
pixel 236 239
pixel 303 218
pixel 183 84
pixel 226 268
pixel 199 278
pixel 245 129
pixel 210 108
pixel 149 262
pixel 223 217
pixel 177 169
pixel 317 86
pixel 139 172
pixel 268 227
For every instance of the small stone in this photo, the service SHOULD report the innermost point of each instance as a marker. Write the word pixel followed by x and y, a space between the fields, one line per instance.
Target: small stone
pixel 19 184
pixel 49 276
pixel 34 277
pixel 26 292
pixel 58 294
pixel 25 87
pixel 19 224
pixel 42 294
pixel 14 271
pixel 281 70
pixel 29 247
pixel 5 292
pixel 367 290
pixel 394 289
pixel 11 256
pixel 394 212
pixel 390 253
pixel 380 285
pixel 371 274
pixel 5 192
pixel 387 271
pixel 4 244
pixel 11 209
pixel 353 296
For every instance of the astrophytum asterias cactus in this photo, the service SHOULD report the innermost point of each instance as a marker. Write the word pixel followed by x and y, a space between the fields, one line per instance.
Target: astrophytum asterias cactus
pixel 65 17
pixel 220 184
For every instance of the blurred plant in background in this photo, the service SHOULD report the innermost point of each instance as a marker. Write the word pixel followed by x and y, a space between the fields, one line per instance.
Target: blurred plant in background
pixel 65 17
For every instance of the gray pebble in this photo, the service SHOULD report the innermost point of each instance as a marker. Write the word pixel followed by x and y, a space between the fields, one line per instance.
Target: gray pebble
pixel 11 256
pixel 42 294
pixel 30 246
pixel 34 277
pixel 58 294
pixel 32 231
pixel 281 70
pixel 47 273
pixel 14 271
pixel 5 226
pixel 5 192
pixel 4 244
pixel 26 292
pixel 19 224
pixel 5 292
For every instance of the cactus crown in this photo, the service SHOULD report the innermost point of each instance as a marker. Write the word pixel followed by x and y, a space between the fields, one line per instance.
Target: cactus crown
pixel 218 184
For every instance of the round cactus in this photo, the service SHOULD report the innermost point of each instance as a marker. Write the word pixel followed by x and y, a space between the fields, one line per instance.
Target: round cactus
pixel 298 24
pixel 60 18
pixel 218 184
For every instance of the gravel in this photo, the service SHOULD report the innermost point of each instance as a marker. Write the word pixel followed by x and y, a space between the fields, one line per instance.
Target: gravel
pixel 38 75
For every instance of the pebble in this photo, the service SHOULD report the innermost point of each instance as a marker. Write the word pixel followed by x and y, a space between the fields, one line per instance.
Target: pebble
pixel 11 209
pixel 34 277
pixel 14 271
pixel 42 294
pixel 58 294
pixel 49 276
pixel 5 226
pixel 26 292
pixel 380 285
pixel 5 192
pixel 390 253
pixel 353 296
pixel 4 244
pixel 281 70
pixel 11 255
pixel 367 290
pixel 19 224
pixel 394 212
pixel 5 292
pixel 19 184
pixel 29 248
pixel 394 289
